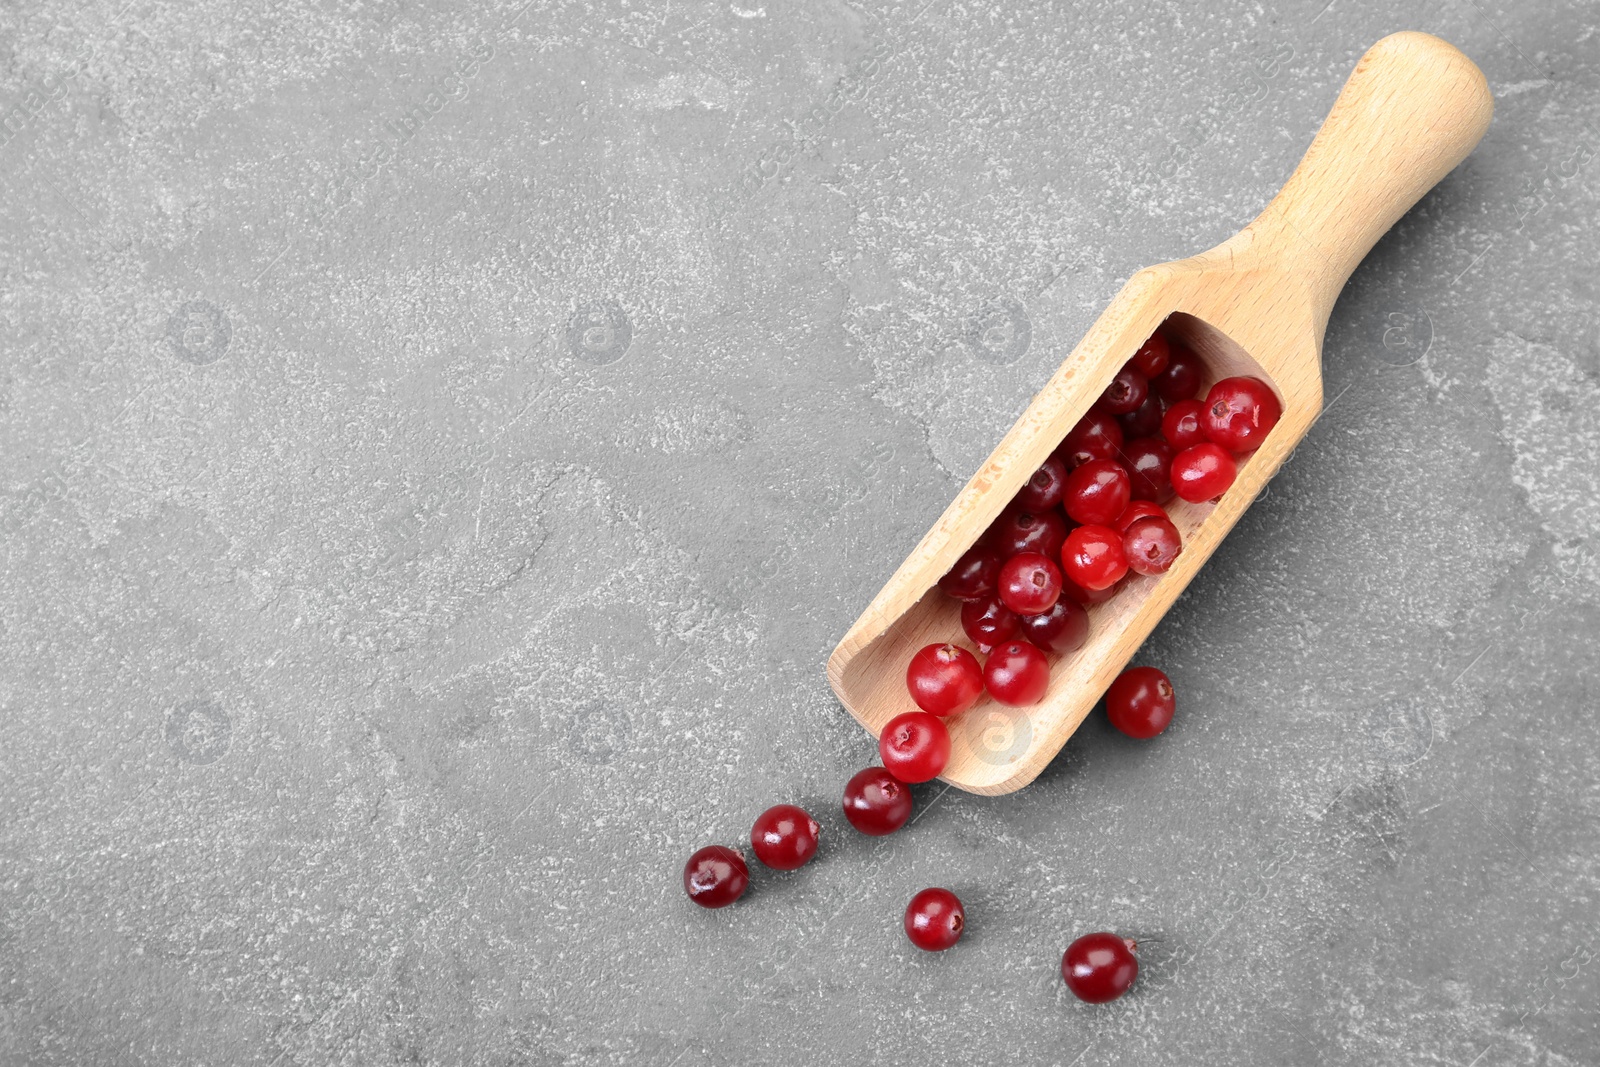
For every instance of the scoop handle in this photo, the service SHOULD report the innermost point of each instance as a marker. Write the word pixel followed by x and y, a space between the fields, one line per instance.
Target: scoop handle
pixel 1411 110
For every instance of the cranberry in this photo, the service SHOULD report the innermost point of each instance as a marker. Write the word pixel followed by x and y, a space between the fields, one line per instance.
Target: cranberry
pixel 715 877
pixel 914 746
pixel 1240 412
pixel 1098 435
pixel 1153 355
pixel 974 575
pixel 1030 583
pixel 1181 379
pixel 1140 702
pixel 784 837
pixel 1181 424
pixel 1062 629
pixel 1149 461
pixel 1203 472
pixel 989 622
pixel 1100 967
pixel 1043 491
pixel 1143 421
pixel 934 920
pixel 1138 509
pixel 944 679
pixel 1097 492
pixel 1017 674
pixel 1151 544
pixel 1093 557
pixel 1019 530
pixel 1126 391
pixel 876 802
pixel 1071 590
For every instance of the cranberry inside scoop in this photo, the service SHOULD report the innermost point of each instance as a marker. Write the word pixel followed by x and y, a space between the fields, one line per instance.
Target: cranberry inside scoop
pixel 1062 629
pixel 1143 421
pixel 1097 435
pixel 1138 509
pixel 1181 424
pixel 876 802
pixel 1020 530
pixel 1151 545
pixel 974 575
pixel 1097 492
pixel 1149 463
pixel 1043 491
pixel 944 679
pixel 784 837
pixel 988 622
pixel 1030 583
pixel 1017 674
pixel 1181 380
pixel 914 746
pixel 1094 557
pixel 715 876
pixel 1203 472
pixel 1126 391
pixel 1239 413
pixel 934 920
pixel 1153 356
pixel 1099 967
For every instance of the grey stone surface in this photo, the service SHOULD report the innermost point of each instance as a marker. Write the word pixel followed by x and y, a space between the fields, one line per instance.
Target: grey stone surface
pixel 440 444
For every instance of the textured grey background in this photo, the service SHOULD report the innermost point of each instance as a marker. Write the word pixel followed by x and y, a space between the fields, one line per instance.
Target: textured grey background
pixel 441 444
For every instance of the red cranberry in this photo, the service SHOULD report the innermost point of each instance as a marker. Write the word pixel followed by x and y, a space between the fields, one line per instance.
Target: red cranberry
pixel 1071 590
pixel 1138 509
pixel 914 746
pixel 944 679
pixel 1240 412
pixel 1099 967
pixel 1153 355
pixel 876 802
pixel 784 837
pixel 1017 674
pixel 1062 629
pixel 1149 462
pixel 1018 530
pixel 1203 472
pixel 974 575
pixel 1093 557
pixel 1097 492
pixel 1043 491
pixel 1181 424
pixel 715 877
pixel 1152 544
pixel 1126 391
pixel 1140 702
pixel 1181 379
pixel 934 920
pixel 1143 421
pixel 1098 435
pixel 989 622
pixel 1030 583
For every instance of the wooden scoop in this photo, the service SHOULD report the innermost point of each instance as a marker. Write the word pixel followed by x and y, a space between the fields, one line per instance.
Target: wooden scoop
pixel 1257 304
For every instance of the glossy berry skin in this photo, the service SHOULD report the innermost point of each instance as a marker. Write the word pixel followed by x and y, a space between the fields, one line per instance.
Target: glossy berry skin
pixel 1151 545
pixel 1097 435
pixel 1126 391
pixel 1149 463
pixel 1153 356
pixel 1043 491
pixel 1239 413
pixel 1099 967
pixel 784 837
pixel 944 679
pixel 1181 425
pixel 935 919
pixel 1030 583
pixel 1018 530
pixel 1071 590
pixel 1203 472
pixel 876 802
pixel 914 746
pixel 1138 509
pixel 715 877
pixel 1062 629
pixel 1097 492
pixel 1181 380
pixel 1143 421
pixel 1017 674
pixel 975 574
pixel 1094 558
pixel 1140 702
pixel 988 622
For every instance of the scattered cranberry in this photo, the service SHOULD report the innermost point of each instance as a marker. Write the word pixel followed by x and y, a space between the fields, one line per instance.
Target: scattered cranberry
pixel 1093 557
pixel 1138 509
pixel 1043 491
pixel 876 802
pixel 1099 967
pixel 934 920
pixel 1140 702
pixel 914 746
pixel 715 877
pixel 1203 472
pixel 1144 420
pixel 1071 590
pixel 784 837
pixel 989 622
pixel 1240 412
pixel 1181 380
pixel 1017 674
pixel 1151 544
pixel 944 679
pixel 1153 356
pixel 1019 530
pixel 1181 424
pixel 1030 583
pixel 1098 435
pixel 1149 462
pixel 974 575
pixel 1126 391
pixel 1062 629
pixel 1097 492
